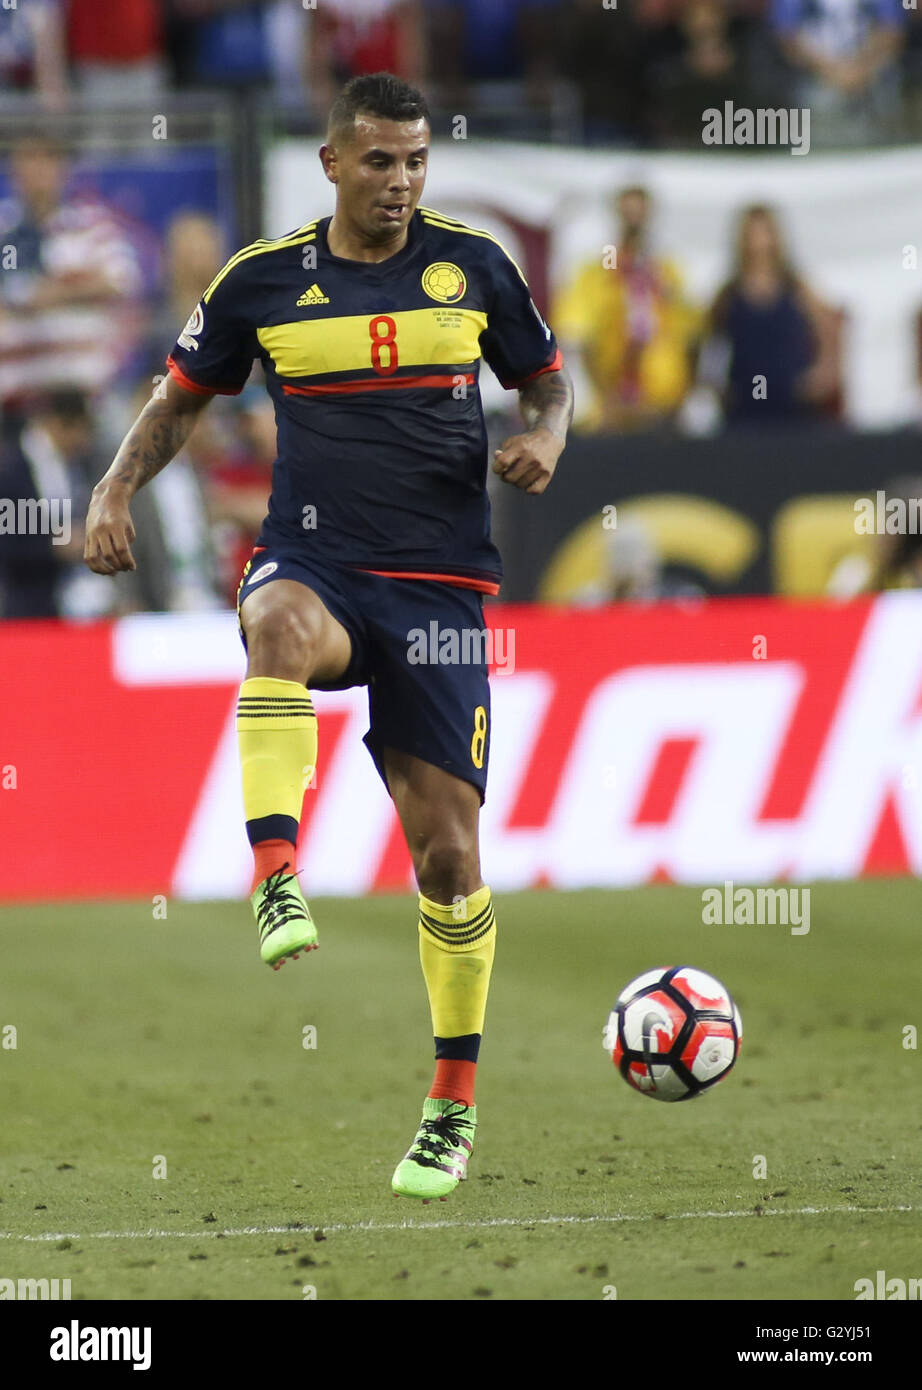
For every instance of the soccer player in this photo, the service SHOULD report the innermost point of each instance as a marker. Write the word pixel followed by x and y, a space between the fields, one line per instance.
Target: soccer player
pixel 370 326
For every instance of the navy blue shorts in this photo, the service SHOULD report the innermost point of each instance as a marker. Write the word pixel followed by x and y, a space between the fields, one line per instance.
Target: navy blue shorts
pixel 418 644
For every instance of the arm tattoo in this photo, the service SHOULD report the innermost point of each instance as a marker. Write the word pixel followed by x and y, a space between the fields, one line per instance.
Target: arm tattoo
pixel 546 402
pixel 156 436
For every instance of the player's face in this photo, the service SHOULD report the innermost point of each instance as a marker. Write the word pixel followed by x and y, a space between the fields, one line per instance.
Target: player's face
pixel 380 174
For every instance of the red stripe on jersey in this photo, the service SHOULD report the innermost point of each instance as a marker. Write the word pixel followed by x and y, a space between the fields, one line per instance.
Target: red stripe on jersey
pixel 553 366
pixel 179 376
pixel 373 383
pixel 460 581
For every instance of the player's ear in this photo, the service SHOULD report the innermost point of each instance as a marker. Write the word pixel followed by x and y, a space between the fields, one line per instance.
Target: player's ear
pixel 329 162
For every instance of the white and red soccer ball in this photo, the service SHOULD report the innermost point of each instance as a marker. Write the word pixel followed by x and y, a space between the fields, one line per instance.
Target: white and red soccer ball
pixel 673 1033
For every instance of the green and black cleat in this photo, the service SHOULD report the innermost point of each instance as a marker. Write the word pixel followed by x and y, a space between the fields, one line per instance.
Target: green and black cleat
pixel 283 918
pixel 437 1159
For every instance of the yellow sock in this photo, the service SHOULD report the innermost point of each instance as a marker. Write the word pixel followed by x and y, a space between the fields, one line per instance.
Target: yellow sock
pixel 277 735
pixel 456 946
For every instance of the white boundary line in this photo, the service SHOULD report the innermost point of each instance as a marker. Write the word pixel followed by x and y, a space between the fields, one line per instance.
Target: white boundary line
pixel 371 1227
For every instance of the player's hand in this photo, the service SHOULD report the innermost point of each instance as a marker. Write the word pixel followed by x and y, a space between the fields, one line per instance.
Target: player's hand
pixel 109 531
pixel 527 461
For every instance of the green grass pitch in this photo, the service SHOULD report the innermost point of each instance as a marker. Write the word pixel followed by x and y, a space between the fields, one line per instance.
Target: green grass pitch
pixel 143 1043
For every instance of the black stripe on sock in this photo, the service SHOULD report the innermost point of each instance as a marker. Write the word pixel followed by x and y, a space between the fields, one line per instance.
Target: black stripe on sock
pixel 462 1049
pixel 272 828
pixel 257 707
pixel 456 936
pixel 304 699
pixel 273 713
pixel 264 700
pixel 459 922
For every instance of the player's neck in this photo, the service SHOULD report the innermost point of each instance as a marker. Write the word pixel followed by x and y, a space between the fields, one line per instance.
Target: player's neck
pixel 349 244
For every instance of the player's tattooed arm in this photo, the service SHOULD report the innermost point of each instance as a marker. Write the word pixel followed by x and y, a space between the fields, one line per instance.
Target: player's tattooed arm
pixel 156 436
pixel 546 402
pixel 528 460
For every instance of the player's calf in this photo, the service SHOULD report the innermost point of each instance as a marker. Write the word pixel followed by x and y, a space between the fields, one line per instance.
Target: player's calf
pixel 277 735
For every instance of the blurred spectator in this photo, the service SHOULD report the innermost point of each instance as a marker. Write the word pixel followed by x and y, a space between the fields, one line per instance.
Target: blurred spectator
pixel 47 472
pixel 207 482
pixel 177 570
pixel 45 484
pixel 912 75
pixel 708 71
pixel 917 410
pixel 70 287
pixel 181 513
pixel 658 13
pixel 494 41
pixel 225 43
pixel 895 560
pixel 288 26
pixel 627 314
pixel 605 52
pixel 193 253
pixel 898 557
pixel 359 36
pixel 632 569
pixel 33 51
pixel 116 50
pixel 782 343
pixel 845 54
pixel 238 485
pixel 659 20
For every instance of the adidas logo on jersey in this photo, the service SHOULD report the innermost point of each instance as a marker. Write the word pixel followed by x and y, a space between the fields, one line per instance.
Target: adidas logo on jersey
pixel 314 295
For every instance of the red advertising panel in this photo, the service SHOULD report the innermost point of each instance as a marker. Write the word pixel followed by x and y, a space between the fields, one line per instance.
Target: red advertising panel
pixel 698 741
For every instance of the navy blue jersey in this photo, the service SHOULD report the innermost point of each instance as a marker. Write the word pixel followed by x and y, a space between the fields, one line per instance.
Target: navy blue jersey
pixel 373 369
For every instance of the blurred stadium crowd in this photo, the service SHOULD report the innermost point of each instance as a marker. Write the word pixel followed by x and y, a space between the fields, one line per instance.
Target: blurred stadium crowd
pixel 642 81
pixel 98 299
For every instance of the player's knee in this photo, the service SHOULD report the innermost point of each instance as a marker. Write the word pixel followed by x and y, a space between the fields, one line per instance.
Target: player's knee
pixel 282 641
pixel 447 866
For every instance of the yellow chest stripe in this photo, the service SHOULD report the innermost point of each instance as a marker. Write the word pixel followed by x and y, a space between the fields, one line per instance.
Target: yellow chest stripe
pixel 440 336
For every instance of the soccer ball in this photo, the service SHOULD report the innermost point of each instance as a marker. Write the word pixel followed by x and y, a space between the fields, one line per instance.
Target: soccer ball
pixel 673 1033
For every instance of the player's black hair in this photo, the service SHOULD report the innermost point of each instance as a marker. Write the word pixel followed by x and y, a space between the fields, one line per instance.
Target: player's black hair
pixel 375 94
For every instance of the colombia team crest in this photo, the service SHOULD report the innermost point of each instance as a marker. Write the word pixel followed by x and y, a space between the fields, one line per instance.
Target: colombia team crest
pixel 444 281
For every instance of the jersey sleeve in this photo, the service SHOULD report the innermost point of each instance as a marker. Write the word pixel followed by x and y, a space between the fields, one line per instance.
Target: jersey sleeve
pixel 516 343
pixel 214 353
